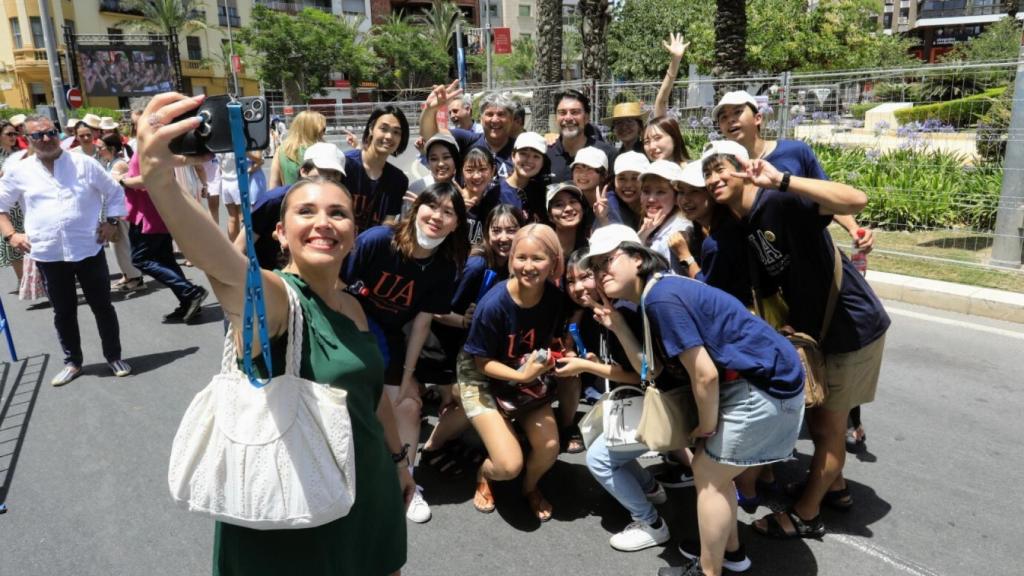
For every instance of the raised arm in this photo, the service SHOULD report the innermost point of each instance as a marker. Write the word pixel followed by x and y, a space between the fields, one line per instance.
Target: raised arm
pixel 199 238
pixel 676 49
pixel 831 197
pixel 438 97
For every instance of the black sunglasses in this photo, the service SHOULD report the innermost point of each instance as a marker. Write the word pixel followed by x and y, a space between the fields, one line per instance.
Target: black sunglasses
pixel 37 136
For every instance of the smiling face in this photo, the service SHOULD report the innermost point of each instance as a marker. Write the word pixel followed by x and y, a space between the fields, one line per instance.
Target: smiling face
pixel 580 286
pixel 657 144
pixel 565 210
pixel 738 122
pixel 497 123
pixel 616 273
pixel 437 219
pixel 500 235
pixel 627 130
pixel 477 175
pixel 585 177
pixel 460 114
pixel 85 135
pixel 531 265
pixel 386 135
pixel 723 186
pixel 657 197
pixel 695 203
pixel 528 162
pixel 441 163
pixel 318 228
pixel 627 186
pixel 572 118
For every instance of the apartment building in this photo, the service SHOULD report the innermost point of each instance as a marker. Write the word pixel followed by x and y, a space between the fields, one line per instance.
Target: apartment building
pixel 937 25
pixel 204 54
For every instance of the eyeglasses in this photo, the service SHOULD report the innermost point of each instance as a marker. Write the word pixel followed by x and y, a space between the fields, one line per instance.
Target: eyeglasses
pixel 598 264
pixel 37 136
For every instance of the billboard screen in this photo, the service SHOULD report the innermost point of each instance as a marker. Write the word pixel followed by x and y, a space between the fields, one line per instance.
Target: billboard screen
pixel 119 70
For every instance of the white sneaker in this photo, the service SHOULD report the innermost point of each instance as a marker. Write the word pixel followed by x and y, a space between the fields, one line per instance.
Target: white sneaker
pixel 658 495
pixel 640 535
pixel 418 511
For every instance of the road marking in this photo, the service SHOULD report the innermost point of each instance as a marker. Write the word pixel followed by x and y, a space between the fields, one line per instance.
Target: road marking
pixel 905 566
pixel 956 323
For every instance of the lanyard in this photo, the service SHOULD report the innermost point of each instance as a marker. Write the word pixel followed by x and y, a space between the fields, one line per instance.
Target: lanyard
pixel 254 303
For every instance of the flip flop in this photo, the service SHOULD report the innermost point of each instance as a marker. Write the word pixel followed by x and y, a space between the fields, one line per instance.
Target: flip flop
pixel 541 508
pixel 483 499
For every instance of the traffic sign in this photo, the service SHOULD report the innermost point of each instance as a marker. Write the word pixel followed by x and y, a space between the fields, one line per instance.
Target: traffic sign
pixel 74 97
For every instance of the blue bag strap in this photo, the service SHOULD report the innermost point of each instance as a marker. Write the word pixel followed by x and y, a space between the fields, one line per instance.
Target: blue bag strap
pixel 646 359
pixel 254 302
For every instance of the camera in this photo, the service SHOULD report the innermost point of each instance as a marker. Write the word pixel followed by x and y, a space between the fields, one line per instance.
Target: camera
pixel 213 135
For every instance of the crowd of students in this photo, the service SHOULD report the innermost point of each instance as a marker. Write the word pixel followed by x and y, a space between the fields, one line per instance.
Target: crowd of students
pixel 469 279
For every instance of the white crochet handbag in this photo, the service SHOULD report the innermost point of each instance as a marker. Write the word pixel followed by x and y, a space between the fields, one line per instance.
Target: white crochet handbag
pixel 274 457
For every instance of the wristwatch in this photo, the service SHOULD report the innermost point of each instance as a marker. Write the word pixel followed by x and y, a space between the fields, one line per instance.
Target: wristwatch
pixel 687 262
pixel 401 455
pixel 784 185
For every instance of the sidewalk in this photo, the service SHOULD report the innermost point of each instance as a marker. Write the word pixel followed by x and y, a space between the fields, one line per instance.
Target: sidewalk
pixel 960 298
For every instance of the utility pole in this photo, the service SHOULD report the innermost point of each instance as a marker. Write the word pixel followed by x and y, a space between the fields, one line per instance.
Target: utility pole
pixel 1009 233
pixel 487 39
pixel 56 82
pixel 231 47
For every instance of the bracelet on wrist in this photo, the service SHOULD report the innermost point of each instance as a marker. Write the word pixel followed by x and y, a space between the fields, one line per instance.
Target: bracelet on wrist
pixel 784 184
pixel 403 454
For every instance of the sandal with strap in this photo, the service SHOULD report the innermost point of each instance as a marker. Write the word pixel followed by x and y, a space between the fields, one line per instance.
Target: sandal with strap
pixel 572 440
pixel 840 500
pixel 813 528
pixel 483 499
pixel 541 508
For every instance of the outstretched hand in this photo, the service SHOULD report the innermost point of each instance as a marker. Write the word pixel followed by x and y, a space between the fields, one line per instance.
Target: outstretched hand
pixel 156 129
pixel 675 46
pixel 441 94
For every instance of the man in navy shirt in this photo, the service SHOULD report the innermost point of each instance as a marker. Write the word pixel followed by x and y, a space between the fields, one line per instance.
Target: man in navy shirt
pixel 573 113
pixel 497 116
pixel 785 219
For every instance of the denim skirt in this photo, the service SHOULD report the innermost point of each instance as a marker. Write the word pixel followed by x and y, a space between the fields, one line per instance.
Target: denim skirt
pixel 754 427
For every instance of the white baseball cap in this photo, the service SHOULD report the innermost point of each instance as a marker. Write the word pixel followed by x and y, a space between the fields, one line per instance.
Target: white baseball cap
pixel 531 140
pixel 591 156
pixel 554 189
pixel 732 99
pixel 716 147
pixel 325 156
pixel 631 162
pixel 666 169
pixel 693 174
pixel 607 238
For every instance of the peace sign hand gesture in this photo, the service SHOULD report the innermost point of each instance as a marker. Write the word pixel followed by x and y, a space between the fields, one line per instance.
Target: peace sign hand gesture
pixel 441 94
pixel 760 173
pixel 601 206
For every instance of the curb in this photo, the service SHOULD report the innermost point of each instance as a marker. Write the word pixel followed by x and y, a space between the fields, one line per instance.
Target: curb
pixel 973 300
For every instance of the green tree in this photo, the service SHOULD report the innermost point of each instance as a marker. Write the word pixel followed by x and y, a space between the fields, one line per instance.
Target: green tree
pixel 999 42
pixel 440 22
pixel 593 26
pixel 549 59
pixel 639 26
pixel 730 38
pixel 409 58
pixel 299 53
pixel 514 67
pixel 162 16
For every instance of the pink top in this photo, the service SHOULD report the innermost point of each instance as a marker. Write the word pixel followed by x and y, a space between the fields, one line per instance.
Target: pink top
pixel 141 210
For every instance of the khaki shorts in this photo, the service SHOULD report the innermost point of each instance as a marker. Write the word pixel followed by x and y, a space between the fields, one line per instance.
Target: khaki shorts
pixel 853 376
pixel 474 388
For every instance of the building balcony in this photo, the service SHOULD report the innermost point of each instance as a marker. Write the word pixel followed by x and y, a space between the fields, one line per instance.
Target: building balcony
pixel 118 7
pixel 31 57
pixel 196 68
pixel 295 7
pixel 969 10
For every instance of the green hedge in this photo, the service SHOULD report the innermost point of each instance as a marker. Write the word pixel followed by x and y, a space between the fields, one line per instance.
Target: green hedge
pixel 960 113
pixel 860 110
pixel 8 112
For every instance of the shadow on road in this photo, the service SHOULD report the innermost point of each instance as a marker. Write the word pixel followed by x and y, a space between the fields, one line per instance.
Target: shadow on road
pixel 144 363
pixel 17 411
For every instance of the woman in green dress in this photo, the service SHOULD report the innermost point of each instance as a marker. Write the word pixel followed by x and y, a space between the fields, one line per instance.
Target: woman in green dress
pixel 317 231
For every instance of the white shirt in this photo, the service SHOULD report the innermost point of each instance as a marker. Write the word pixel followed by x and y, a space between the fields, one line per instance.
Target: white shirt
pixel 658 241
pixel 62 209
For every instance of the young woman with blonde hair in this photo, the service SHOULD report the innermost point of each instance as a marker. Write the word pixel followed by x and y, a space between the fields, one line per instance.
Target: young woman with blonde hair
pixel 307 129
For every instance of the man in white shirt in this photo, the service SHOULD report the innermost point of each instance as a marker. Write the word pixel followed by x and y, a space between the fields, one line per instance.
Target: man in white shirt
pixel 71 205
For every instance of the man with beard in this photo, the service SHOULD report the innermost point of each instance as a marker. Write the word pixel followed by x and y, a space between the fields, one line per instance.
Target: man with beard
pixel 573 115
pixel 71 209
pixel 497 116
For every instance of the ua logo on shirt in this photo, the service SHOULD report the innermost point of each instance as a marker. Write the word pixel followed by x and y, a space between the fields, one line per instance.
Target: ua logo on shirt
pixel 522 341
pixel 773 260
pixel 395 289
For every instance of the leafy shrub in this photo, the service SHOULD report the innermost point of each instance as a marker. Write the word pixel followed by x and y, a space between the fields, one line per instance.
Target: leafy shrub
pixel 8 112
pixel 960 113
pixel 993 127
pixel 860 110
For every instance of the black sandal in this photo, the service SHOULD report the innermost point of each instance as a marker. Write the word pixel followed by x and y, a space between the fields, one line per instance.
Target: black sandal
pixel 572 440
pixel 840 500
pixel 813 528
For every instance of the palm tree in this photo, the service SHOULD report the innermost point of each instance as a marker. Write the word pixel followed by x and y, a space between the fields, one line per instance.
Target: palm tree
pixel 441 21
pixel 730 38
pixel 593 25
pixel 163 16
pixel 549 60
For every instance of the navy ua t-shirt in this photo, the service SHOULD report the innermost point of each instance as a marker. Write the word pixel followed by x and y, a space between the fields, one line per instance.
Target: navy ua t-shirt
pixel 373 200
pixel 468 139
pixel 788 237
pixel 477 214
pixel 797 158
pixel 685 314
pixel 266 213
pixel 503 331
pixel 393 288
pixel 530 199
pixel 467 291
pixel 722 257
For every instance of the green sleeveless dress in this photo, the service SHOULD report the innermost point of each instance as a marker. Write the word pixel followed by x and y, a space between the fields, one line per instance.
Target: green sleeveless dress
pixel 371 539
pixel 290 167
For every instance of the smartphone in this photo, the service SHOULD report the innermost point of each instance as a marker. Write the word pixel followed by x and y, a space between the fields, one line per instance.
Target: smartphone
pixel 213 135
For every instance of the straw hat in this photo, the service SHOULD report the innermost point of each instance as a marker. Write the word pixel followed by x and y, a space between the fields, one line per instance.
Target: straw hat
pixel 625 110
pixel 107 123
pixel 17 120
pixel 92 121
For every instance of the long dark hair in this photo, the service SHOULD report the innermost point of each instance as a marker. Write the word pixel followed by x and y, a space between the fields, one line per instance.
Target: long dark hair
pixel 397 113
pixel 456 246
pixel 669 126
pixel 456 156
pixel 485 249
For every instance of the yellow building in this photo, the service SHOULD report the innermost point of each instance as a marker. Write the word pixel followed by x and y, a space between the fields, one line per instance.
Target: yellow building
pixel 204 52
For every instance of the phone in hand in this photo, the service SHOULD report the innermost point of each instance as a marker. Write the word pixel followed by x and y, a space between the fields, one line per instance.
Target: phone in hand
pixel 213 135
